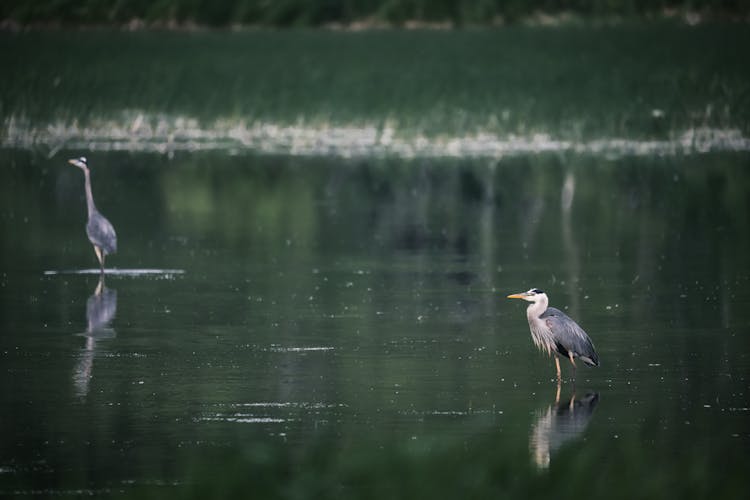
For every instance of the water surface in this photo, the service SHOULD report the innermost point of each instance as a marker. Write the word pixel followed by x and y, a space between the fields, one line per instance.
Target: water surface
pixel 340 327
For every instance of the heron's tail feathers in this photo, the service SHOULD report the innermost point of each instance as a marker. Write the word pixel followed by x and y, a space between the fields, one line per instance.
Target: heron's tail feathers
pixel 592 360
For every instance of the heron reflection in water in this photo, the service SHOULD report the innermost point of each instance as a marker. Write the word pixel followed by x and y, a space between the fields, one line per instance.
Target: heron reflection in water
pixel 560 423
pixel 100 310
pixel 554 333
pixel 99 230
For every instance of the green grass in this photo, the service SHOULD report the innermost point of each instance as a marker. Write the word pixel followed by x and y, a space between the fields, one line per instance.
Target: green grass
pixel 641 81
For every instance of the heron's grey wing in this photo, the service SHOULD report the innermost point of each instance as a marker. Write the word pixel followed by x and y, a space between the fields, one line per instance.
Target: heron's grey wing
pixel 101 233
pixel 570 336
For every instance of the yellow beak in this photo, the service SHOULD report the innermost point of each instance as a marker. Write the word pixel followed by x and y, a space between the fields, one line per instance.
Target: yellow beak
pixel 516 296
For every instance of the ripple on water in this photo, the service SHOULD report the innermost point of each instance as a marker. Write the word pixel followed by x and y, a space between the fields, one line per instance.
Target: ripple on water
pixel 268 412
pixel 243 419
pixel 277 348
pixel 117 272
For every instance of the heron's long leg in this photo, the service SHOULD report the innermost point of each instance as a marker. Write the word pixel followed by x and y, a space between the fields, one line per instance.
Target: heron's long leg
pixel 100 256
pixel 557 365
pixel 570 355
pixel 100 286
pixel 557 394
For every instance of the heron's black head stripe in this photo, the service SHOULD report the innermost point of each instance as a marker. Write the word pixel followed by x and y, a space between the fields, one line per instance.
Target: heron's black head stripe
pixel 536 290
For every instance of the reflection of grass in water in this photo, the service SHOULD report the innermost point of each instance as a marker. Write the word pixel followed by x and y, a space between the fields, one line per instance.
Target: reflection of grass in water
pixel 599 467
pixel 574 82
pixel 243 205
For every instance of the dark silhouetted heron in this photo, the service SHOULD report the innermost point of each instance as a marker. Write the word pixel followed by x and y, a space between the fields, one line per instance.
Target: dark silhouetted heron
pixel 554 332
pixel 100 232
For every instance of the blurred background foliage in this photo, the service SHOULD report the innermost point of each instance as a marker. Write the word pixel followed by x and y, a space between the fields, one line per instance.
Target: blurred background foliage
pixel 324 12
pixel 573 83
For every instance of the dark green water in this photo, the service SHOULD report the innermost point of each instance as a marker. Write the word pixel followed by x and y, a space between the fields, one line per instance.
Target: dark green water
pixel 317 232
pixel 341 328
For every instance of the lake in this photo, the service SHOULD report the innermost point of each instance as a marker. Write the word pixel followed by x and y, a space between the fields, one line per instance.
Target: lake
pixel 310 303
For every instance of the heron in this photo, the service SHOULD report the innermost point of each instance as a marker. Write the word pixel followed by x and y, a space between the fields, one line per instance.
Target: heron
pixel 553 332
pixel 99 230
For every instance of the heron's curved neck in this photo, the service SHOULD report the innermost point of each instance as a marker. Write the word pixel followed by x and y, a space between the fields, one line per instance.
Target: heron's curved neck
pixel 537 307
pixel 89 196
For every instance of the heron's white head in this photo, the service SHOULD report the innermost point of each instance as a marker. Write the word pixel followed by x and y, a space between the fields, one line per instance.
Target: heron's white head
pixel 532 295
pixel 79 162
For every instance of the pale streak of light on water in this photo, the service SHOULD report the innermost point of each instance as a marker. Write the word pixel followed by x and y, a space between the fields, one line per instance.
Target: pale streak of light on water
pixel 242 412
pixel 117 272
pixel 166 134
pixel 299 349
pixel 242 418
pixel 288 404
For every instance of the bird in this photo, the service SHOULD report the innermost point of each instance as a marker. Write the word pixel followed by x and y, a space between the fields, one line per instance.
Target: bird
pixel 99 230
pixel 553 332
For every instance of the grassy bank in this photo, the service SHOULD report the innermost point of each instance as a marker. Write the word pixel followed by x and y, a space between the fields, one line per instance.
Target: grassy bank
pixel 136 13
pixel 523 88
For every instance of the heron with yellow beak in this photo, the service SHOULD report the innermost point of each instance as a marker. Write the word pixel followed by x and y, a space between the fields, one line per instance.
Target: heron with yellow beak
pixel 554 333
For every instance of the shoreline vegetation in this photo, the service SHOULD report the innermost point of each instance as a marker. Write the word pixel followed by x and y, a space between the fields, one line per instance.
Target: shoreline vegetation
pixel 356 15
pixel 633 88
